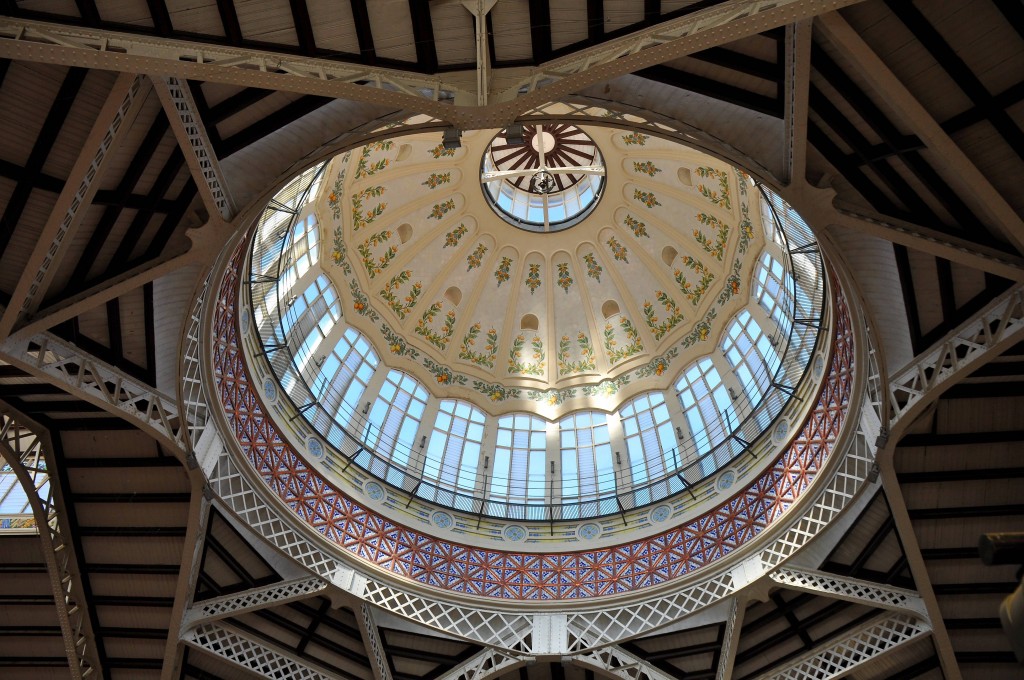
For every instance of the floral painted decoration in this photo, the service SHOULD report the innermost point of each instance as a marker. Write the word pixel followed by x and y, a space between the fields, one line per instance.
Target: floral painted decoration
pixel 586 361
pixel 693 292
pixel 366 169
pixel 484 358
pixel 496 391
pixel 619 251
pixel 515 357
pixel 436 338
pixel 658 327
pixel 437 179
pixel 361 219
pixel 374 267
pixel 732 284
pixel 716 249
pixel 636 226
pixel 502 272
pixel 646 197
pixel 440 152
pixel 719 199
pixel 452 238
pixel 475 258
pixel 443 374
pixel 593 268
pixel 646 167
pixel 339 254
pixel 397 343
pixel 360 303
pixel 388 293
pixel 533 278
pixel 564 280
pixel 633 344
pixel 635 139
pixel 658 365
pixel 701 331
pixel 441 209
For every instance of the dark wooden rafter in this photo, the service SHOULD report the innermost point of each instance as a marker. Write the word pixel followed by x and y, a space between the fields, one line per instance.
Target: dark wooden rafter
pixel 87 9
pixel 713 88
pixel 160 16
pixel 5 64
pixel 52 125
pixel 880 124
pixel 909 292
pixel 70 331
pixel 364 32
pixel 947 291
pixel 958 70
pixel 540 30
pixel 595 21
pixel 229 20
pixel 652 11
pixel 303 26
pixel 114 329
pixel 270 123
pixel 980 111
pixel 423 34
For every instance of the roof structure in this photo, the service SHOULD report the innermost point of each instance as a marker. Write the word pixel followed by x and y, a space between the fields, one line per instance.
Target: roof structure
pixel 145 141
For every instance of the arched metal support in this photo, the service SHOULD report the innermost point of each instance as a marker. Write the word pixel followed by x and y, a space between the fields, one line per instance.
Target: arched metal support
pixel 731 639
pixel 997 327
pixel 618 664
pixel 63 364
pixel 217 608
pixel 859 646
pixel 25 451
pixel 371 640
pixel 849 589
pixel 256 656
pixel 489 663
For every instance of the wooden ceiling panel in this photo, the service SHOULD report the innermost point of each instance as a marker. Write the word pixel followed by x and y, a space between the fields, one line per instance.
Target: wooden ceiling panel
pixel 130 12
pixel 334 27
pixel 511 30
pixel 392 29
pixel 454 33
pixel 195 16
pixel 268 21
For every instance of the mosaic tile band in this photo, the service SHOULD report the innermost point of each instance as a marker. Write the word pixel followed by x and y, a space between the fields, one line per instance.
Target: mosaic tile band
pixel 450 566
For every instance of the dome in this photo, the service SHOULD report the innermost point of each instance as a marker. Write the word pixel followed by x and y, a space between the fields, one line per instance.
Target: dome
pixel 554 365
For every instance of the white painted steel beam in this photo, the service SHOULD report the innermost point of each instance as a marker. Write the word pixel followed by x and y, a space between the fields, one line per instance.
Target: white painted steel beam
pixel 798 78
pixel 371 641
pixel 859 646
pixel 488 663
pixel 217 608
pixel 960 172
pixel 25 451
pixel 731 640
pixel 995 328
pixel 63 364
pixel 122 106
pixel 718 25
pixel 615 662
pixel 849 589
pixel 195 144
pixel 256 656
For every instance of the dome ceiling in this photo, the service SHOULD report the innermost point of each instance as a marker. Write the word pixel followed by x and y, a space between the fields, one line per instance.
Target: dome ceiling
pixel 461 298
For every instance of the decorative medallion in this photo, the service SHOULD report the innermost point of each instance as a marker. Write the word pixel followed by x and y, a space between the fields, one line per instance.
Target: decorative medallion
pixel 780 432
pixel 661 513
pixel 373 490
pixel 589 531
pixel 442 520
pixel 315 448
pixel 270 389
pixel 243 320
pixel 725 480
pixel 514 533
pixel 818 369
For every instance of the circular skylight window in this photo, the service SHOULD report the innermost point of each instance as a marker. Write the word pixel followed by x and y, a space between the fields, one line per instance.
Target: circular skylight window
pixel 545 179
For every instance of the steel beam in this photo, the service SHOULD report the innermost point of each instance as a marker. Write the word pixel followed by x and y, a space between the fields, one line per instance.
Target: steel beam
pixel 618 664
pixel 24 451
pixel 731 640
pixel 371 640
pixel 798 78
pixel 123 104
pixel 217 608
pixel 256 656
pixel 849 589
pixel 486 664
pixel 195 144
pixel 859 646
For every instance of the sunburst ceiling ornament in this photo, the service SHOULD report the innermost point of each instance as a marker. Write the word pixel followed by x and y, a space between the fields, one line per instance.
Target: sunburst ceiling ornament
pixel 549 182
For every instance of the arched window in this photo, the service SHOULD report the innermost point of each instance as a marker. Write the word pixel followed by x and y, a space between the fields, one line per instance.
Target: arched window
pixel 773 287
pixel 341 381
pixel 306 320
pixel 751 354
pixel 520 454
pixel 453 454
pixel 587 471
pixel 707 407
pixel 650 442
pixel 393 421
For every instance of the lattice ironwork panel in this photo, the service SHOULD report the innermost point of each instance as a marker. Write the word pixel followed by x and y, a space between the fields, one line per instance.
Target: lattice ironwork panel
pixel 237 647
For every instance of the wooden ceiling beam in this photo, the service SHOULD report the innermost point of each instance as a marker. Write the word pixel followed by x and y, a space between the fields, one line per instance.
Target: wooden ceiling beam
pixel 423 35
pixel 303 26
pixel 540 30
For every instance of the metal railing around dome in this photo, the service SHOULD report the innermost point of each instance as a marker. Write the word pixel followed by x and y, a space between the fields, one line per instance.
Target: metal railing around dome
pixel 347 429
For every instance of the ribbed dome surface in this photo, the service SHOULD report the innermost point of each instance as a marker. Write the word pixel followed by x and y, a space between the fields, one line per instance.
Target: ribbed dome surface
pixel 506 318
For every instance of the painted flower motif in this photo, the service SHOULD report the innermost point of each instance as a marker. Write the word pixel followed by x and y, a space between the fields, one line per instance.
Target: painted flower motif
pixel 515 357
pixel 646 197
pixel 364 168
pixel 359 217
pixel 378 265
pixel 452 238
pixel 661 327
pixel 441 209
pixel 619 251
pixel 485 358
pixel 502 272
pixel 435 179
pixel 496 392
pixel 635 139
pixel 701 331
pixel 440 152
pixel 438 338
pixel 658 365
pixel 717 248
pixel 475 258
pixel 633 344
pixel 694 293
pixel 646 167
pixel 593 268
pixel 564 280
pixel 636 226
pixel 732 284
pixel 719 199
pixel 389 293
pixel 533 278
